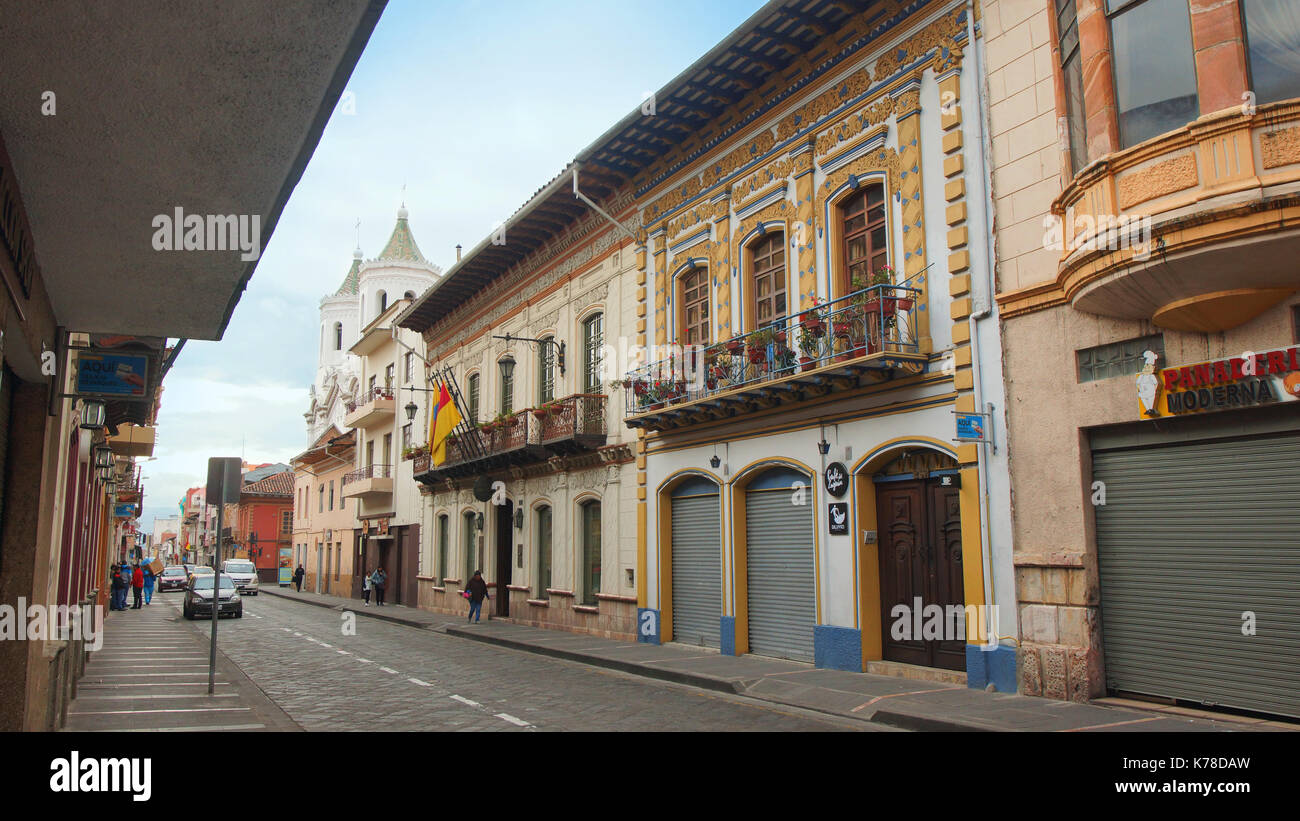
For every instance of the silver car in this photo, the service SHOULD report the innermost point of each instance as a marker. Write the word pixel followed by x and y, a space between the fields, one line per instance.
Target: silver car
pixel 244 572
pixel 198 598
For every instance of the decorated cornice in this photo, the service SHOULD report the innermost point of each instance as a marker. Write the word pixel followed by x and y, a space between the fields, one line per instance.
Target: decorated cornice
pixel 938 42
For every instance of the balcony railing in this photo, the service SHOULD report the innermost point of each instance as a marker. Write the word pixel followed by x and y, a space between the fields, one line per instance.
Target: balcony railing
pixel 568 425
pixel 372 395
pixel 371 472
pixel 875 321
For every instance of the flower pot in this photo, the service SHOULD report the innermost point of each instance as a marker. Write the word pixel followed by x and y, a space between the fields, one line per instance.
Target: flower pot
pixel 780 337
pixel 841 329
pixel 903 303
pixel 815 326
pixel 541 413
pixel 871 306
pixel 733 345
pixel 757 356
pixel 806 363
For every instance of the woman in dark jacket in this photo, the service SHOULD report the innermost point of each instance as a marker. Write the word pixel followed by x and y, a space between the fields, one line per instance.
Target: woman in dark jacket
pixel 297 577
pixel 477 589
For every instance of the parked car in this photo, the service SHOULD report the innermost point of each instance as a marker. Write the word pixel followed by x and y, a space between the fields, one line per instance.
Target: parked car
pixel 244 572
pixel 173 577
pixel 198 597
pixel 200 570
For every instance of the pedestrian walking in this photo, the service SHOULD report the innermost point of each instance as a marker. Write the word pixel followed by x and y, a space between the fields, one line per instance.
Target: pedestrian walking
pixel 297 577
pixel 477 590
pixel 137 587
pixel 365 588
pixel 118 588
pixel 148 584
pixel 380 580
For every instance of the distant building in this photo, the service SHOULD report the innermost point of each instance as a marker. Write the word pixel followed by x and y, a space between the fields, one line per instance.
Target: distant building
pixel 323 521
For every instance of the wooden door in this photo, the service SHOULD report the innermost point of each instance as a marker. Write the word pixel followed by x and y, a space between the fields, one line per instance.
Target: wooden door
pixel 919 536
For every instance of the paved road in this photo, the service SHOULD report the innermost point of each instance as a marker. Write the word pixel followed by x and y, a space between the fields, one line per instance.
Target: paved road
pixel 392 677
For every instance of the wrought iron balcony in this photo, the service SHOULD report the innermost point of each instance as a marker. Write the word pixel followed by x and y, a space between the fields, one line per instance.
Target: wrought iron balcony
pixel 374 405
pixel 374 479
pixel 565 426
pixel 870 330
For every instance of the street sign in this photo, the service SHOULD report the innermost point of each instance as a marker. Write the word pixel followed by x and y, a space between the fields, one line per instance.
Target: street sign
pixel 972 427
pixel 225 479
pixel 121 376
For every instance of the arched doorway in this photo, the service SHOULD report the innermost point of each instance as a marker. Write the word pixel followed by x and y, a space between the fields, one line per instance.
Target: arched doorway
pixel 780 565
pixel 695 557
pixel 505 514
pixel 918 519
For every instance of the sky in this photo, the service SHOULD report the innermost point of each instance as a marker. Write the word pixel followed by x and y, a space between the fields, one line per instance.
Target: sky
pixel 472 106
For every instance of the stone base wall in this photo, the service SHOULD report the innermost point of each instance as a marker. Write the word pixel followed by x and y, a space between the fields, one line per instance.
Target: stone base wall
pixel 1060 628
pixel 613 619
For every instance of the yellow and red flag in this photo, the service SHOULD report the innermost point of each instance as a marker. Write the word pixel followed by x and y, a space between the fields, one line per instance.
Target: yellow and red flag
pixel 445 419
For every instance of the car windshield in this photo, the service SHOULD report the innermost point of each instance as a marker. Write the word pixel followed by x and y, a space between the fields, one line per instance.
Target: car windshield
pixel 205 583
pixel 239 567
pixel 202 570
pixel 174 571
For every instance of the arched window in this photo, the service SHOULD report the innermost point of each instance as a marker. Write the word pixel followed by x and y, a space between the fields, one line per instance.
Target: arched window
pixel 338 336
pixel 767 264
pixel 469 542
pixel 866 244
pixel 383 302
pixel 590 536
pixel 593 340
pixel 543 543
pixel 473 398
pixel 444 526
pixel 546 370
pixel 693 316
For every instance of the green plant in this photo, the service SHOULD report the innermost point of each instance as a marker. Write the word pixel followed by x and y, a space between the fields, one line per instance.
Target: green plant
pixel 884 275
pixel 761 338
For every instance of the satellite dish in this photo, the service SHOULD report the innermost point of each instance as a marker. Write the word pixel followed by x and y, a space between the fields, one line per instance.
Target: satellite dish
pixel 483 488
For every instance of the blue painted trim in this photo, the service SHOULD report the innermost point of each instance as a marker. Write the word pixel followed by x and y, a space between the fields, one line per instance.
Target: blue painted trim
pixel 647 625
pixel 728 635
pixel 896 477
pixel 997 667
pixel 837 648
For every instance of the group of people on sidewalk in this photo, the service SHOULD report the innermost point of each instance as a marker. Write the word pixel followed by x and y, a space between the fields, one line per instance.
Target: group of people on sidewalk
pixel 476 591
pixel 376 581
pixel 138 579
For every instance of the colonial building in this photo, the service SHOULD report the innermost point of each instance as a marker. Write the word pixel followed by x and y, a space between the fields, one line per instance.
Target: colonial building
pixel 262 523
pixel 538 488
pixel 818 306
pixel 323 520
pixel 1147 283
pixel 386 415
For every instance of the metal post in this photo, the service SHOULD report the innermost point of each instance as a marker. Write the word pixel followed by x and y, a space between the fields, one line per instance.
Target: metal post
pixel 216 602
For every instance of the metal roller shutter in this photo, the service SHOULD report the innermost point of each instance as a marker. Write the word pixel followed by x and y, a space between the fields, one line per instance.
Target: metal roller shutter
pixel 781 575
pixel 697 570
pixel 1191 537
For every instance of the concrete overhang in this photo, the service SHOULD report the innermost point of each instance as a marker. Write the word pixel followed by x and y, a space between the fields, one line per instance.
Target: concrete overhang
pixel 211 108
pixel 132 440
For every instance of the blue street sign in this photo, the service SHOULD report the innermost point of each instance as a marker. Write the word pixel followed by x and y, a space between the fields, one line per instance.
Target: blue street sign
pixel 972 426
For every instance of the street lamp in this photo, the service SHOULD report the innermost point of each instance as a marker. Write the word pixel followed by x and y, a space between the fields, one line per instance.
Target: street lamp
pixel 103 457
pixel 92 414
pixel 507 365
pixel 410 411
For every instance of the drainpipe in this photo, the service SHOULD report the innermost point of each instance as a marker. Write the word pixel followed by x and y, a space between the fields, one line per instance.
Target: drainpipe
pixel 984 303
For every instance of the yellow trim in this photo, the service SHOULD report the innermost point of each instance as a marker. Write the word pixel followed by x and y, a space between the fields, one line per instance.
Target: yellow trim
pixel 740 544
pixel 640 558
pixel 895 443
pixel 938 400
pixel 664 542
pixel 972 553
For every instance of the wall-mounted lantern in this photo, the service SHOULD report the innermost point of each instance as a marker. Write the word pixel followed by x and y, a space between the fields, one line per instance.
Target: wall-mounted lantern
pixel 92 414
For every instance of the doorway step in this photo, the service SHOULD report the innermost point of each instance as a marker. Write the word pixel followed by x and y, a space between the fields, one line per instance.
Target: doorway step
pixel 897 669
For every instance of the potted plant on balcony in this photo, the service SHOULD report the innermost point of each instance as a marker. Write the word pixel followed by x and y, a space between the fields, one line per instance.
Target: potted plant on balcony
pixel 813 320
pixel 809 346
pixel 758 341
pixel 734 345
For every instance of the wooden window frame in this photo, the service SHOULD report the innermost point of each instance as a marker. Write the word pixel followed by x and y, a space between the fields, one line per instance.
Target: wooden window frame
pixel 684 304
pixel 844 212
pixel 768 242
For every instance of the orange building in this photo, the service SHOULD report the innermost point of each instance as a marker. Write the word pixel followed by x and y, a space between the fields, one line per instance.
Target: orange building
pixel 263 523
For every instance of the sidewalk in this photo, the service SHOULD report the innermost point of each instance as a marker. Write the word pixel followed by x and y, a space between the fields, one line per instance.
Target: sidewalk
pixel 151 675
pixel 905 703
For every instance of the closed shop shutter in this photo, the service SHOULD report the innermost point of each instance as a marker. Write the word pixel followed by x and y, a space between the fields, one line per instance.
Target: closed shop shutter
pixel 781 575
pixel 697 570
pixel 1191 537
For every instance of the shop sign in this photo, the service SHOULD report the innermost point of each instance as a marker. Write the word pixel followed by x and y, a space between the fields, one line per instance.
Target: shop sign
pixel 972 427
pixel 1250 380
pixel 838 517
pixel 124 511
pixel 837 479
pixel 121 376
pixel 383 527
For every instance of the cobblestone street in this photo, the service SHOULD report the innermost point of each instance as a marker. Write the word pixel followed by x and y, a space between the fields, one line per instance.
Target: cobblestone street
pixel 391 677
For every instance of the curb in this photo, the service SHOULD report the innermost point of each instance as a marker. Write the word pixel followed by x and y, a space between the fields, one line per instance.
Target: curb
pixel 925 724
pixel 675 676
pixel 365 611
